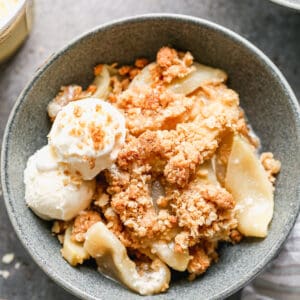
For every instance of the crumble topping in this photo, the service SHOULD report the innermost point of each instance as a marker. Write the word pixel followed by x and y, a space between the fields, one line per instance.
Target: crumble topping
pixel 77 111
pixel 82 223
pixel 271 165
pixel 171 64
pixel 170 136
pixel 153 109
pixel 97 135
pixel 98 69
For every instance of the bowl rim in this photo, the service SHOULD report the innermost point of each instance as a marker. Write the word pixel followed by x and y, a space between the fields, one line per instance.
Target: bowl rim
pixel 268 64
pixel 286 3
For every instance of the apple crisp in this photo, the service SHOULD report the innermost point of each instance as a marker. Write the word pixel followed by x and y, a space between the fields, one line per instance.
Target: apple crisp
pixel 187 177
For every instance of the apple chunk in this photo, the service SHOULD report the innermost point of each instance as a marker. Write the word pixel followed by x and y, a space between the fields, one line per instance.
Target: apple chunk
pixel 248 182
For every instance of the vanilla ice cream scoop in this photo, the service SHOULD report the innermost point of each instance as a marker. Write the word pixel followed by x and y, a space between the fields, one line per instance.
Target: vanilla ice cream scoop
pixel 87 135
pixel 51 191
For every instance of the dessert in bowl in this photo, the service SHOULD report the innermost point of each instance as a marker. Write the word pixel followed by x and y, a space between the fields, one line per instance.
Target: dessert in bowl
pixel 175 168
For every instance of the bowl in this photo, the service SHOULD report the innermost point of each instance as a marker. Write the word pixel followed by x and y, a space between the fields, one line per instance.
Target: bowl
pixel 15 25
pixel 293 4
pixel 270 105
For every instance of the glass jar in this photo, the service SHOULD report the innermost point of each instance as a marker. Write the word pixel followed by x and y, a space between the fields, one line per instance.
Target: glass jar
pixel 15 28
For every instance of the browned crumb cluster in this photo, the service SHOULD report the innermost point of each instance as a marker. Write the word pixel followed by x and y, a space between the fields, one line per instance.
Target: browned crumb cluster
pixel 271 165
pixel 97 134
pixel 171 64
pixel 201 259
pixel 59 227
pixel 169 137
pixel 153 109
pixel 82 223
pixel 177 152
pixel 120 81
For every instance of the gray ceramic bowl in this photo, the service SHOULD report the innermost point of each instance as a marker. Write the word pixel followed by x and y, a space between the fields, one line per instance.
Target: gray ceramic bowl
pixel 270 105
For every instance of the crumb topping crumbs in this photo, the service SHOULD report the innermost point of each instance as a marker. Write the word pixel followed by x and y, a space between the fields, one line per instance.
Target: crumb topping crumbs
pixel 59 226
pixel 124 70
pixel 141 63
pixel 153 109
pixel 98 108
pixel 271 165
pixel 77 111
pixel 171 65
pixel 97 134
pixel 91 161
pixel 82 223
pixel 76 132
pixel 98 69
pixel 169 138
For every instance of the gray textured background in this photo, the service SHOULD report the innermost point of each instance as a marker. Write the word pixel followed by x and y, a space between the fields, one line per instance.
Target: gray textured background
pixel 274 29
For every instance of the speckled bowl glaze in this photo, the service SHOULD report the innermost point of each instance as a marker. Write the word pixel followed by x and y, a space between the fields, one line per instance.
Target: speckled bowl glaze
pixel 269 102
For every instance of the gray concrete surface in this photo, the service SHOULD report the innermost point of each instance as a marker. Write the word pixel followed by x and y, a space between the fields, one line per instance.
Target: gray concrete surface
pixel 272 28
